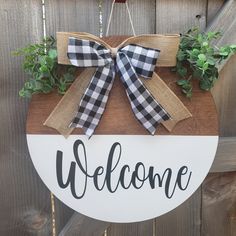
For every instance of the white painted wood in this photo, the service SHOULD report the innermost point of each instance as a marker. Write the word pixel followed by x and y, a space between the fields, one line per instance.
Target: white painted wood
pixel 193 153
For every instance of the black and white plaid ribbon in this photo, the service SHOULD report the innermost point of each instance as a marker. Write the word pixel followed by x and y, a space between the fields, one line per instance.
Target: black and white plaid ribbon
pixel 131 62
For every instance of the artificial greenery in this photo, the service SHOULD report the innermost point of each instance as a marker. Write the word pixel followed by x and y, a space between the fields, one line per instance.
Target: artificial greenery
pixel 45 74
pixel 198 58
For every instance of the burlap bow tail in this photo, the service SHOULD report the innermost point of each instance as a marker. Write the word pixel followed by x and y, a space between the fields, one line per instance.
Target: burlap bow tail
pixel 129 62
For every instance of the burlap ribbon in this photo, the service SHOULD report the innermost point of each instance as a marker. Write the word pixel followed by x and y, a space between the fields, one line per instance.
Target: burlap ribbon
pixel 65 111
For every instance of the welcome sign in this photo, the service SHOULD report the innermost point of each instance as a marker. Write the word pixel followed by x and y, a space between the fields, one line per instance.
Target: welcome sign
pixel 123 174
pixel 122 178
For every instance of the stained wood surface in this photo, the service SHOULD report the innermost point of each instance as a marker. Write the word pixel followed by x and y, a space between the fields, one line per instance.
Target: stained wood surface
pixel 224 90
pixel 225 98
pixel 185 220
pixel 119 119
pixel 84 226
pixel 219 205
pixel 25 207
pixel 179 16
pixel 133 229
pixel 213 7
pixel 225 22
pixel 73 15
pixel 225 160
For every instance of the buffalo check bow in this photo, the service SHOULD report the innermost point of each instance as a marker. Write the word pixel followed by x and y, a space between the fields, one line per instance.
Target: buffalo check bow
pixel 131 62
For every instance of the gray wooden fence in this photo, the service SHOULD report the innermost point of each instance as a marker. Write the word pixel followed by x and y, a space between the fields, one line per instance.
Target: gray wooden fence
pixel 26 205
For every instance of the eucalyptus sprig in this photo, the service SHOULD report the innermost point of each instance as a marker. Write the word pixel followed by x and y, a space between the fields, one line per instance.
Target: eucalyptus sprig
pixel 45 74
pixel 198 58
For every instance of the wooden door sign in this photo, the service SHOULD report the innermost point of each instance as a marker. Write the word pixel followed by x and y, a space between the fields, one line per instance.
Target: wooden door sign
pixel 122 173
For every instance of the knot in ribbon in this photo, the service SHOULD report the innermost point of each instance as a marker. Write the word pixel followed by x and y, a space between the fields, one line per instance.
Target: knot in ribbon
pixel 130 62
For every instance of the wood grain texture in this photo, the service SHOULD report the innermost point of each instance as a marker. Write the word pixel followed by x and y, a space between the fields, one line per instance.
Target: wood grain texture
pixel 225 160
pixel 185 220
pixel 80 225
pixel 24 199
pixel 213 6
pixel 61 116
pixel 133 229
pixel 142 13
pixel 179 16
pixel 72 15
pixel 225 98
pixel 119 109
pixel 119 119
pixel 224 90
pixel 225 22
pixel 69 15
pixel 62 215
pixel 219 205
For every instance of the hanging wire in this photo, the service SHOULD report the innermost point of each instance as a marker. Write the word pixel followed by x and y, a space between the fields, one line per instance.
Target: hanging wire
pixel 100 3
pixel 110 17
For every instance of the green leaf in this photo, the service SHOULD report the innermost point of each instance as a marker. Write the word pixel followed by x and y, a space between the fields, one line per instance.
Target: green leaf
pixel 43 68
pixel 205 66
pixel 68 77
pixel 182 82
pixel 196 48
pixel 205 84
pixel 182 71
pixel 52 53
pixel 25 93
pixel 200 63
pixel 181 55
pixel 224 53
pixel 211 61
pixel 233 46
pixel 202 57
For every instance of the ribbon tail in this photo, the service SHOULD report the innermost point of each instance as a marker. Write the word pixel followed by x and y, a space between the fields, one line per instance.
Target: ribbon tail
pixel 93 102
pixel 145 108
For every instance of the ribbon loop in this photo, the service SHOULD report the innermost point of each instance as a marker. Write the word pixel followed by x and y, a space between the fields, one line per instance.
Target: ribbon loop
pixel 143 59
pixel 131 61
pixel 86 53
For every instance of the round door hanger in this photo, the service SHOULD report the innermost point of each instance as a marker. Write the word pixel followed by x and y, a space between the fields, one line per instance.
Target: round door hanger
pixel 123 174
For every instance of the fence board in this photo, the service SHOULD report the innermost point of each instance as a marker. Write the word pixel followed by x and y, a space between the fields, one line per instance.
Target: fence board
pixel 24 200
pixel 185 220
pixel 62 215
pixel 224 90
pixel 73 15
pixel 225 98
pixel 135 229
pixel 219 205
pixel 142 12
pixel 225 160
pixel 84 226
pixel 213 7
pixel 178 16
pixel 225 22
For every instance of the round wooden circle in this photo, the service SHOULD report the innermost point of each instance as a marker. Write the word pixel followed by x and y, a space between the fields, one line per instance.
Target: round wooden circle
pixel 192 143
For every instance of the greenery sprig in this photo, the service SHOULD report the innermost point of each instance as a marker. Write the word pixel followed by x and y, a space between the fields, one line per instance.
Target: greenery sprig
pixel 45 74
pixel 198 58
